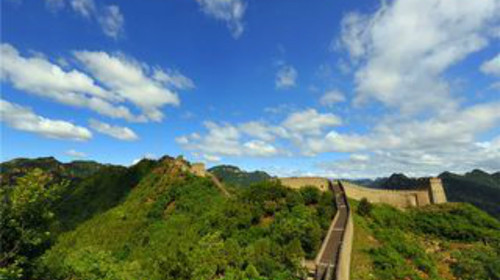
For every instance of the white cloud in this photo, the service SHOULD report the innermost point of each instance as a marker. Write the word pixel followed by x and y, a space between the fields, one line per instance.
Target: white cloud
pixel 286 77
pixel 260 148
pixel 226 140
pixel 258 130
pixel 109 17
pixel 229 11
pixel 118 132
pixel 39 76
pixel 417 147
pixel 130 80
pixel 173 78
pixel 85 8
pixel 22 118
pixel 75 154
pixel 112 21
pixel 492 67
pixel 404 70
pixel 310 122
pixel 211 158
pixel 332 97
pixel 256 138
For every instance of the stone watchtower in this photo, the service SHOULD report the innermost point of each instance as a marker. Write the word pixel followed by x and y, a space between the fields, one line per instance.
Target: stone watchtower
pixel 436 191
pixel 198 169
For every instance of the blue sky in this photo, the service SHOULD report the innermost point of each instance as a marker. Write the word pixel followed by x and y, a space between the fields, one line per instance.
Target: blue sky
pixel 333 88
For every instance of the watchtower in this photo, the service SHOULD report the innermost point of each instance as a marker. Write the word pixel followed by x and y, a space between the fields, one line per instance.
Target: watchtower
pixel 436 191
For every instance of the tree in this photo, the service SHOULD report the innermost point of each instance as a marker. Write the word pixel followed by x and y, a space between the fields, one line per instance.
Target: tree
pixel 25 216
pixel 364 207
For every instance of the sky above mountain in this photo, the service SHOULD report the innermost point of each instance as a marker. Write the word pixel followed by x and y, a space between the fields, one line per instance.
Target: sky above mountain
pixel 333 88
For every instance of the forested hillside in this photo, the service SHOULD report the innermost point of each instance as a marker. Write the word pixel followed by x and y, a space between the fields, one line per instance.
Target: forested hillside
pixel 440 242
pixel 156 221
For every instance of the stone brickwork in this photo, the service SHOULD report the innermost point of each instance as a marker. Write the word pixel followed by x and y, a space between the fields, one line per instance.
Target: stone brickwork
pixel 431 192
pixel 198 169
pixel 436 190
pixel 300 182
pixel 344 270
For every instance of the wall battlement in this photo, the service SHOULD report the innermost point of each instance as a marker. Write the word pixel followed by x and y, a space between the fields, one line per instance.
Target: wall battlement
pixel 431 191
pixel 300 182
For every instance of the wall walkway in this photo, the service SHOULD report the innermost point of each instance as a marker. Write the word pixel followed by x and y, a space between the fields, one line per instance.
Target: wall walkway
pixel 334 258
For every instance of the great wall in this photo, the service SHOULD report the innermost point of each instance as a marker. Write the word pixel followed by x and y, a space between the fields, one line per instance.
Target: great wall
pixel 334 257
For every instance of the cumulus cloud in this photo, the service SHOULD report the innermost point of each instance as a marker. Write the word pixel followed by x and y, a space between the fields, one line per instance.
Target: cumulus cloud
pixel 111 21
pixel 310 122
pixel 85 8
pixel 118 132
pixel 229 11
pixel 173 78
pixel 39 76
pixel 24 119
pixel 109 17
pixel 257 138
pixel 417 147
pixel 492 67
pixel 332 97
pixel 211 158
pixel 403 70
pixel 286 77
pixel 75 154
pixel 130 80
pixel 124 81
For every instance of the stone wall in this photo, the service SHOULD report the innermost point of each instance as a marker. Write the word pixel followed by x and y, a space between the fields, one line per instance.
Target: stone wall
pixel 400 199
pixel 344 269
pixel 198 169
pixel 300 182
pixel 436 190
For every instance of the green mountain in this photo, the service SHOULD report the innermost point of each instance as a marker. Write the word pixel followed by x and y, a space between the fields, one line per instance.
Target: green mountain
pixel 10 170
pixel 155 220
pixel 446 241
pixel 476 187
pixel 232 175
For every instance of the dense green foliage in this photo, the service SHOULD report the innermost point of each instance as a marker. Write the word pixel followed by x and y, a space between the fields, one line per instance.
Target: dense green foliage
pixel 15 168
pixel 173 225
pixel 364 207
pixel 25 216
pixel 477 187
pixel 97 193
pixel 418 243
pixel 232 175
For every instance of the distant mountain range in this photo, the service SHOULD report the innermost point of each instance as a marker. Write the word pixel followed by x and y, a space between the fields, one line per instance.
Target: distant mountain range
pixel 155 220
pixel 477 187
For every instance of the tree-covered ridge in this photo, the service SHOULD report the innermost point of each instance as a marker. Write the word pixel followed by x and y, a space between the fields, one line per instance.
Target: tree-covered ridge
pixel 173 225
pixel 448 241
pixel 10 170
pixel 233 175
